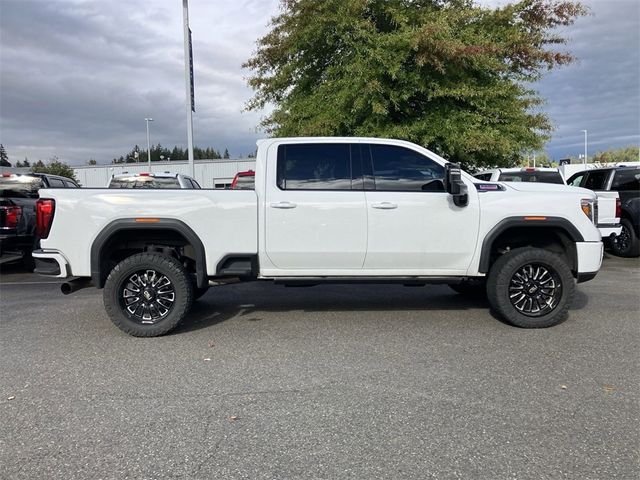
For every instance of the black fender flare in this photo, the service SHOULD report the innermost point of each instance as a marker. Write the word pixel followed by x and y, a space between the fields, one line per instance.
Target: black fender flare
pixel 157 224
pixel 541 222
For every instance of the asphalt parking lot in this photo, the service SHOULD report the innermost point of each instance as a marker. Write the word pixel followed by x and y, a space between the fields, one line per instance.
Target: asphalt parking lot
pixel 334 382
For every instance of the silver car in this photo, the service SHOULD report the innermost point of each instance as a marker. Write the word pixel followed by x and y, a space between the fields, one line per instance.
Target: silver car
pixel 152 180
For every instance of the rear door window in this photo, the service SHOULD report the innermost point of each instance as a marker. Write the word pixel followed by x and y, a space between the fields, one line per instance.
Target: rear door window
pixel 319 166
pixel 401 169
pixel 626 180
pixel 55 183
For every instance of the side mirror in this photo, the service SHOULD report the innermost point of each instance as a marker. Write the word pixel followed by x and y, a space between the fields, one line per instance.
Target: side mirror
pixel 454 185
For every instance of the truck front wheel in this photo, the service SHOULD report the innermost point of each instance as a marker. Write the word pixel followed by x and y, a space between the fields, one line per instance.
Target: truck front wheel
pixel 148 294
pixel 531 287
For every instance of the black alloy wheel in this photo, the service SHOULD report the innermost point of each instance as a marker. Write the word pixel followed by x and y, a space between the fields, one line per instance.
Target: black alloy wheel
pixel 531 287
pixel 535 289
pixel 627 243
pixel 147 296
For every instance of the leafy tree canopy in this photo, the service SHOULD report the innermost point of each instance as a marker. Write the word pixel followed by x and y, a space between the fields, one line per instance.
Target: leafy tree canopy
pixel 624 154
pixel 448 74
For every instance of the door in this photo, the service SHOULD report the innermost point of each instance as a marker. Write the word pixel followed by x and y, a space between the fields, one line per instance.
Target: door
pixel 315 213
pixel 414 227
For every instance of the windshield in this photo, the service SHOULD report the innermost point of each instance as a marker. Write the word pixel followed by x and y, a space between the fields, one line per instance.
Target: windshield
pixel 144 182
pixel 20 186
pixel 542 177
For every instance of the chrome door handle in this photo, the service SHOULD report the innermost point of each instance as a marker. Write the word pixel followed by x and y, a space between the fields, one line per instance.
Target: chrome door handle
pixel 384 205
pixel 283 205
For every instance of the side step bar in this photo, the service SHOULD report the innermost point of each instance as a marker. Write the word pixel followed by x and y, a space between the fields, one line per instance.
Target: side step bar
pixel 407 281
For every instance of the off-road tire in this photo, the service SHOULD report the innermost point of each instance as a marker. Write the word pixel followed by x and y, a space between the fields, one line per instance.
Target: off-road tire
pixel 626 244
pixel 163 264
pixel 504 270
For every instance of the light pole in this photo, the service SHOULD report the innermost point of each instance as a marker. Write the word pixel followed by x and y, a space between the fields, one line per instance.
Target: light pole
pixel 188 80
pixel 584 160
pixel 147 119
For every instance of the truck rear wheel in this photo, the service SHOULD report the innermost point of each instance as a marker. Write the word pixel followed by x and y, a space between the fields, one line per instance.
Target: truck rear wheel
pixel 626 244
pixel 148 294
pixel 531 287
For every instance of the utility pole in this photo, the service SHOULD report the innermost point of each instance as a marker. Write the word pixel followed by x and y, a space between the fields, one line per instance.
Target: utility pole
pixel 147 119
pixel 188 80
pixel 584 160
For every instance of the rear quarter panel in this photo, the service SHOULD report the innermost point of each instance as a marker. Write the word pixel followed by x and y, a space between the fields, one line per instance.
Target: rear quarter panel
pixel 224 220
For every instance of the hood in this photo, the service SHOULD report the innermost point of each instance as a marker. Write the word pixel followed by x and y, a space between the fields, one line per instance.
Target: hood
pixel 547 187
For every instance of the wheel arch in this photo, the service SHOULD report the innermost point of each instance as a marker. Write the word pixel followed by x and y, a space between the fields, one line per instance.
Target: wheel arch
pixel 523 231
pixel 156 229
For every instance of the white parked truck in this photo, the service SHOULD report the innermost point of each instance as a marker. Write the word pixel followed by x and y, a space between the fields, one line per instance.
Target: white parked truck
pixel 341 210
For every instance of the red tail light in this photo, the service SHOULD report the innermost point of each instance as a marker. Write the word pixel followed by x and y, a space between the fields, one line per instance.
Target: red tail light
pixel 10 216
pixel 618 208
pixel 45 208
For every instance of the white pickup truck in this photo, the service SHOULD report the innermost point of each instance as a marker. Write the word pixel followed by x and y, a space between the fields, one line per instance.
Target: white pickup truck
pixel 341 210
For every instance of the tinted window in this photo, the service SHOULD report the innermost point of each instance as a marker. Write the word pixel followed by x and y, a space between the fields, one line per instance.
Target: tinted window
pixel 195 184
pixel 55 183
pixel 144 182
pixel 542 177
pixel 401 169
pixel 626 180
pixel 320 166
pixel 596 179
pixel 70 184
pixel 483 176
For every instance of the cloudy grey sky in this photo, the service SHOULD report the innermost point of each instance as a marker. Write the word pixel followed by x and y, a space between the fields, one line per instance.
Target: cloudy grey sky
pixel 78 77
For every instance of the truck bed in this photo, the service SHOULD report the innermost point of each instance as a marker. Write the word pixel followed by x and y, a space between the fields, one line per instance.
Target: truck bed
pixel 225 220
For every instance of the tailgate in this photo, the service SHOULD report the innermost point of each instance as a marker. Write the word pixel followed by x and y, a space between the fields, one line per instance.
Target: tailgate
pixel 607 208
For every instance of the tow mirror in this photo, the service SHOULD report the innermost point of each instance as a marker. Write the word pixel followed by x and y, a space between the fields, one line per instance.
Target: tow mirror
pixel 454 185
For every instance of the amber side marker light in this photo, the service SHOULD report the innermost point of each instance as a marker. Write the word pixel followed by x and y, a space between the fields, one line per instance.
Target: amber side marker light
pixel 147 220
pixel 535 218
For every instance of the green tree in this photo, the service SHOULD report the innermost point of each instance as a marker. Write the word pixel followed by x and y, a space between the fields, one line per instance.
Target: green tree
pixel 624 154
pixel 4 158
pixel 54 167
pixel 92 161
pixel 26 162
pixel 448 74
pixel 226 153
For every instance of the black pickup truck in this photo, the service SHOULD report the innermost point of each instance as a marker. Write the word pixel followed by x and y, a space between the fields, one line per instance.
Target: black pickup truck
pixel 18 195
pixel 626 181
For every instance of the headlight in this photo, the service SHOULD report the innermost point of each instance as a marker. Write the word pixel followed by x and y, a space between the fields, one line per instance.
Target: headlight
pixel 588 207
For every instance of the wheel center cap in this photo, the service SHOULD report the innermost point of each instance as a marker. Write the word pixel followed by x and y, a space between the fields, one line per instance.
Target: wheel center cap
pixel 147 294
pixel 533 289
